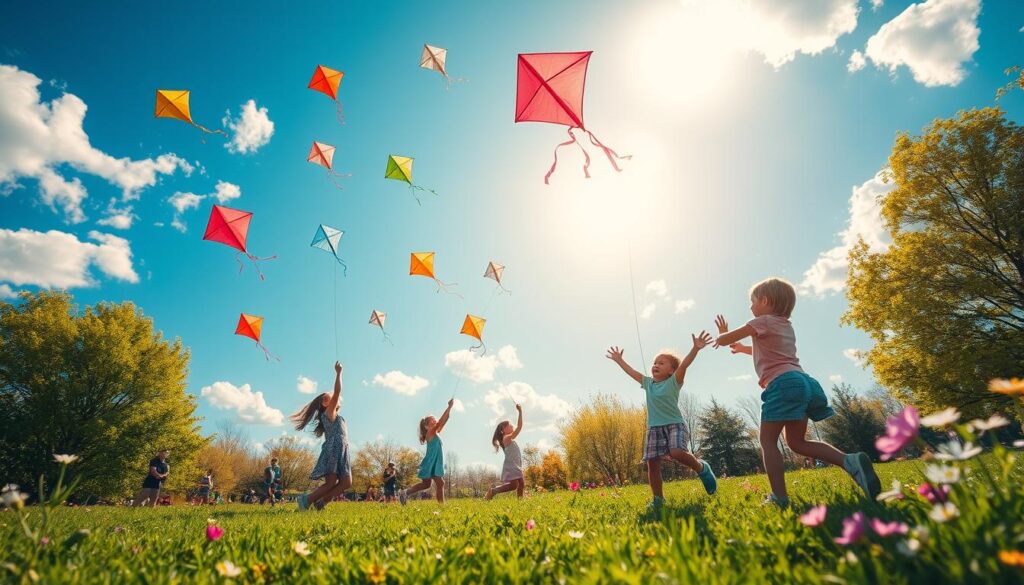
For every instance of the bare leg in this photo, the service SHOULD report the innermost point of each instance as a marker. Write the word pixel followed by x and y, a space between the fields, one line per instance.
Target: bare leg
pixel 521 487
pixel 796 438
pixel 772 457
pixel 343 484
pixel 687 459
pixel 439 489
pixel 418 487
pixel 505 487
pixel 329 482
pixel 654 476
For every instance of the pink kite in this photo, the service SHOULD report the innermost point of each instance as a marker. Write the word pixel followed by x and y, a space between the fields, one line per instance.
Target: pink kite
pixel 323 155
pixel 231 228
pixel 549 88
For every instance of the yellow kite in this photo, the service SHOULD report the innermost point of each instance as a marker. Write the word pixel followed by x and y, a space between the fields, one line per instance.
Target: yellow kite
pixel 422 264
pixel 400 169
pixel 473 326
pixel 172 103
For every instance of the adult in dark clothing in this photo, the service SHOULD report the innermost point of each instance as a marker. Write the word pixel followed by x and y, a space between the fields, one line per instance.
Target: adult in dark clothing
pixel 159 469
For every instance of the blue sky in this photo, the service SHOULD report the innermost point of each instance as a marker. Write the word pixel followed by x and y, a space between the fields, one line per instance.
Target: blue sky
pixel 753 131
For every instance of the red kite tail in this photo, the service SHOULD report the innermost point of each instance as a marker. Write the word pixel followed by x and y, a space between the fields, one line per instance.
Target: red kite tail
pixel 607 151
pixel 338 113
pixel 266 352
pixel 444 286
pixel 335 176
pixel 255 262
pixel 586 164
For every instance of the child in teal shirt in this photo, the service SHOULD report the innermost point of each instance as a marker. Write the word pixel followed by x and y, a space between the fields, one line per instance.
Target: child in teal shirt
pixel 667 433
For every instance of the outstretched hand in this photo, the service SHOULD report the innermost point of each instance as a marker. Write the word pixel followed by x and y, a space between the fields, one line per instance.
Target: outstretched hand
pixel 723 326
pixel 519 407
pixel 614 354
pixel 701 341
pixel 451 402
pixel 337 367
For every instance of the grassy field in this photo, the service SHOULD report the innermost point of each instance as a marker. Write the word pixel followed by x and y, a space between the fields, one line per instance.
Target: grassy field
pixel 595 537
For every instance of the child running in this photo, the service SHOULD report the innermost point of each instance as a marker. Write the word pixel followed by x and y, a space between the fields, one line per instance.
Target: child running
pixel 790 396
pixel 667 433
pixel 512 471
pixel 333 465
pixel 432 468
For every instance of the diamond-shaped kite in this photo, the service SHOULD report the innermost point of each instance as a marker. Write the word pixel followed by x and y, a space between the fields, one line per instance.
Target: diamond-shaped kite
pixel 495 271
pixel 171 103
pixel 549 88
pixel 323 154
pixel 377 318
pixel 326 81
pixel 251 326
pixel 231 227
pixel 422 264
pixel 329 239
pixel 400 169
pixel 473 326
pixel 434 58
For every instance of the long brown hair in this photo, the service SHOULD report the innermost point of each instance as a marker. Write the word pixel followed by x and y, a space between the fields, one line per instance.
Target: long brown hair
pixel 423 429
pixel 306 414
pixel 498 440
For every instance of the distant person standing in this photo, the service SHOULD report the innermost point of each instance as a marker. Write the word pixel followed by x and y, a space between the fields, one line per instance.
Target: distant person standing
pixel 390 482
pixel 158 472
pixel 205 485
pixel 271 480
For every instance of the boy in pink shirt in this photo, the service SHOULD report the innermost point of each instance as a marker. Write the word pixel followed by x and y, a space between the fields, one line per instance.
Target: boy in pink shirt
pixel 790 396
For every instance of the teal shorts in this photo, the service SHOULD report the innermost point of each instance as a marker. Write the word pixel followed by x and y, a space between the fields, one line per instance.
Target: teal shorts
pixel 794 396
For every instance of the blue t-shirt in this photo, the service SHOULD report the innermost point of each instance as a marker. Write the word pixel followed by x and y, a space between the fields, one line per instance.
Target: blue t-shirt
pixel 662 401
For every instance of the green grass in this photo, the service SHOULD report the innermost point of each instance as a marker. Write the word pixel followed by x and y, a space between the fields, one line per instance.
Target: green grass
pixel 728 538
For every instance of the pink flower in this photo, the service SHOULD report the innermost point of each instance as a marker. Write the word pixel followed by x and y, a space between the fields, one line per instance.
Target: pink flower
pixel 214 532
pixel 530 524
pixel 574 486
pixel 815 516
pixel 44 540
pixel 884 529
pixel 900 430
pixel 853 529
pixel 932 493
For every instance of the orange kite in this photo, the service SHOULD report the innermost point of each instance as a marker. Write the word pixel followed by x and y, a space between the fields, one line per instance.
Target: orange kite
pixel 172 103
pixel 422 264
pixel 326 81
pixel 473 326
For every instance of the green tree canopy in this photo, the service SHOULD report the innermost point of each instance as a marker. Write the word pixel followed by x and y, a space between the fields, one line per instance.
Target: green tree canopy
pixel 100 384
pixel 604 439
pixel 726 443
pixel 944 303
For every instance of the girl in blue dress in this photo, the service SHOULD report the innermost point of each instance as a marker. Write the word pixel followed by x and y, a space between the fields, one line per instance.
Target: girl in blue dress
pixel 333 465
pixel 432 468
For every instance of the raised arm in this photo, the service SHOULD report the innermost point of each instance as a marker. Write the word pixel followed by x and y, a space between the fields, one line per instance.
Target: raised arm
pixel 699 342
pixel 444 417
pixel 615 354
pixel 519 425
pixel 726 337
pixel 332 404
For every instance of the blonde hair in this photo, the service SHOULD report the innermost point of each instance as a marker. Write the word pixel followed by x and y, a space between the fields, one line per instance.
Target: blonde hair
pixel 676 360
pixel 779 293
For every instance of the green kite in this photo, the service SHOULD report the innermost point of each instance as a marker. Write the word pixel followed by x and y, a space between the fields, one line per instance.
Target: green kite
pixel 400 169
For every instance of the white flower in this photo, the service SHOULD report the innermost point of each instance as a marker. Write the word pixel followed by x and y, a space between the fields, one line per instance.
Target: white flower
pixel 65 459
pixel 944 512
pixel 410 550
pixel 301 548
pixel 941 418
pixel 11 487
pixel 942 474
pixel 1019 444
pixel 994 422
pixel 954 451
pixel 12 497
pixel 574 534
pixel 228 569
pixel 896 493
pixel 437 556
pixel 404 531
pixel 908 547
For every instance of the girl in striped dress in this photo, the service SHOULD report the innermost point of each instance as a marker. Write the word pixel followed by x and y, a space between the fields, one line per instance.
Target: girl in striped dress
pixel 512 470
pixel 432 468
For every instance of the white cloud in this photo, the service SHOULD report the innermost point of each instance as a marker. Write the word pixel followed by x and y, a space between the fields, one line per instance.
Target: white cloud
pixel 683 305
pixel 401 382
pixel 828 274
pixel 648 311
pixel 306 385
pixel 458 406
pixel 60 260
pixel 6 292
pixel 249 406
pixel 835 378
pixel 225 192
pixel 544 445
pixel 480 368
pixel 856 62
pixel 182 202
pixel 658 287
pixel 854 355
pixel 742 377
pixel 876 4
pixel 250 130
pixel 545 409
pixel 39 137
pixel 120 218
pixel 934 39
pixel 781 29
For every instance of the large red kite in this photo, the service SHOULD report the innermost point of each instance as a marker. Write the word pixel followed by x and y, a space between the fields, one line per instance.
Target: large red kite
pixel 549 88
pixel 231 228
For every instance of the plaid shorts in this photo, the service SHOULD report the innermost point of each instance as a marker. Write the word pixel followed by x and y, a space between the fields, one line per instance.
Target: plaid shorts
pixel 662 438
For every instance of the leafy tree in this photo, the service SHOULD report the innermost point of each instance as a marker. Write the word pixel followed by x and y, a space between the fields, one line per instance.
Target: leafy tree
pixel 295 459
pixel 858 421
pixel 944 303
pixel 371 458
pixel 605 439
pixel 726 441
pixel 552 471
pixel 100 384
pixel 215 457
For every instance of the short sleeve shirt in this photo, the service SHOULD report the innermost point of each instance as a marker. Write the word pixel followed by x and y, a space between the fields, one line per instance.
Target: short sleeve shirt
pixel 274 472
pixel 662 401
pixel 774 346
pixel 161 467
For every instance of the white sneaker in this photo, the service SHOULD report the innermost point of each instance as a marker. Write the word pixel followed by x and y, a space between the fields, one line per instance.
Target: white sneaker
pixel 858 465
pixel 403 497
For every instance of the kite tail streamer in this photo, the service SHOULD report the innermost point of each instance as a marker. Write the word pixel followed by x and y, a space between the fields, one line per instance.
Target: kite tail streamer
pixel 415 188
pixel 480 345
pixel 448 81
pixel 255 262
pixel 335 176
pixel 444 286
pixel 387 337
pixel 607 151
pixel 344 268
pixel 266 352
pixel 206 131
pixel 572 140
pixel 339 114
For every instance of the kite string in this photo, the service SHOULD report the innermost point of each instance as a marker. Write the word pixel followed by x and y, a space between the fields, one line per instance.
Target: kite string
pixel 335 311
pixel 636 320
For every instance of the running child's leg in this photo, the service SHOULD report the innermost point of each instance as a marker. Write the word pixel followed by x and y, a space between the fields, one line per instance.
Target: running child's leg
pixel 422 485
pixel 654 477
pixel 505 487
pixel 796 438
pixel 521 487
pixel 687 459
pixel 343 484
pixel 439 489
pixel 329 482
pixel 772 457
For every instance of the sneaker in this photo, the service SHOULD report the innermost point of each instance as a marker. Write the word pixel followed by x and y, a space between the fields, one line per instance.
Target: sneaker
pixel 489 494
pixel 403 497
pixel 319 505
pixel 781 503
pixel 303 501
pixel 654 508
pixel 858 465
pixel 707 477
